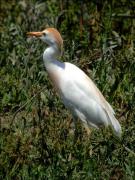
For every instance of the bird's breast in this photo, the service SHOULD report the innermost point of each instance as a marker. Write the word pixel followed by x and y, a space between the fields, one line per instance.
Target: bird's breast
pixel 55 78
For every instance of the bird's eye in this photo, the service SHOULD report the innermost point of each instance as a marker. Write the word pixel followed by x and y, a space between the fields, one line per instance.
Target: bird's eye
pixel 44 34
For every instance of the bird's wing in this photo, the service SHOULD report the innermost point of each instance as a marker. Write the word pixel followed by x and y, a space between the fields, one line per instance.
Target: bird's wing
pixel 84 86
pixel 88 87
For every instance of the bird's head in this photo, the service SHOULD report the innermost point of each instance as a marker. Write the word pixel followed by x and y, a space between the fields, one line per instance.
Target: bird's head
pixel 50 36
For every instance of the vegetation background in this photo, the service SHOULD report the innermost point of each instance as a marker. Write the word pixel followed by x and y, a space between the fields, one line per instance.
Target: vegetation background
pixel 36 139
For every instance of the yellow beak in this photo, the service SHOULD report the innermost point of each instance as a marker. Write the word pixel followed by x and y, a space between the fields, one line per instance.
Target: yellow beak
pixel 36 34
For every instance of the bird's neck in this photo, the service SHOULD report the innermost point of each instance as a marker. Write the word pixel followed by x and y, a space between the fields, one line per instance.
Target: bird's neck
pixel 50 56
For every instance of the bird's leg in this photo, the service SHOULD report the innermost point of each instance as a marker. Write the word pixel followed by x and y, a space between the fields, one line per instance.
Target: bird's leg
pixel 74 125
pixel 71 125
pixel 86 127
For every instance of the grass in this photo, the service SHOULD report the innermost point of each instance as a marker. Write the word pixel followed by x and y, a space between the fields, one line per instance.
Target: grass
pixel 37 141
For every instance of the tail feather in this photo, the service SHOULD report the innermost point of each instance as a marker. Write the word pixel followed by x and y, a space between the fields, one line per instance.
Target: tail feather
pixel 115 125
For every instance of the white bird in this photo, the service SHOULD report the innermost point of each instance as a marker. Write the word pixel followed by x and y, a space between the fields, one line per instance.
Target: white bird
pixel 78 92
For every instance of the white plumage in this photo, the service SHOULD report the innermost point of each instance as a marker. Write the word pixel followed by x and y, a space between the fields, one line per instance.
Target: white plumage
pixel 78 92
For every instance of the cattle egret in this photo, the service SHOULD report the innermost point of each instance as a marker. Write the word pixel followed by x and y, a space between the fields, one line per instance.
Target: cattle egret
pixel 78 92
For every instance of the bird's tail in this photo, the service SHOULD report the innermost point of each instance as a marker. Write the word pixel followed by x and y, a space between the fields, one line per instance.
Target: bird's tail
pixel 116 127
pixel 114 123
